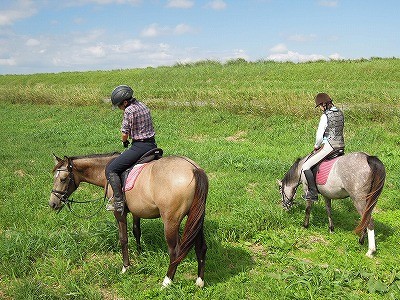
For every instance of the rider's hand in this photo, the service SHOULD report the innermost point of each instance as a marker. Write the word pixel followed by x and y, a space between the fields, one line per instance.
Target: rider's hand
pixel 125 143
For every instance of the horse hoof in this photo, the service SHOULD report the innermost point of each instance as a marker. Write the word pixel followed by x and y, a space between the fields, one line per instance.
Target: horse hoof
pixel 167 282
pixel 124 269
pixel 200 282
pixel 370 253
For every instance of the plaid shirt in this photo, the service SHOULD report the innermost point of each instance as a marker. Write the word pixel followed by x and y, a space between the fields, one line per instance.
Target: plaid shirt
pixel 137 122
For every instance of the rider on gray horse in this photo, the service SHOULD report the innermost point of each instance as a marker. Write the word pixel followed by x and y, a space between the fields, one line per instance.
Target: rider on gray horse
pixel 329 138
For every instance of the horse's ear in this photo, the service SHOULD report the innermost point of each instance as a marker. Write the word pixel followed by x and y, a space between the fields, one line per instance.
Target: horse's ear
pixel 56 158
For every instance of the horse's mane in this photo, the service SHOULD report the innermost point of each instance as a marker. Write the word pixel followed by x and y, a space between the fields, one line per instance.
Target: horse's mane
pixel 61 162
pixel 292 173
pixel 94 155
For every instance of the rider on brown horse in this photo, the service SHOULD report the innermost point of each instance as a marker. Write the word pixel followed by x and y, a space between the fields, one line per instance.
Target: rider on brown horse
pixel 137 124
pixel 329 138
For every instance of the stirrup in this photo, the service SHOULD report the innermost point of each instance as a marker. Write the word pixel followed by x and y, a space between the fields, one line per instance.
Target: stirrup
pixel 116 206
pixel 307 196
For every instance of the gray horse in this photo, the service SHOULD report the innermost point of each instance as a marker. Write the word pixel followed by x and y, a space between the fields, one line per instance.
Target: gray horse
pixel 356 175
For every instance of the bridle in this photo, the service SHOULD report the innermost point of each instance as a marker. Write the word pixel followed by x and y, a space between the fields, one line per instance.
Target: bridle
pixel 287 202
pixel 63 195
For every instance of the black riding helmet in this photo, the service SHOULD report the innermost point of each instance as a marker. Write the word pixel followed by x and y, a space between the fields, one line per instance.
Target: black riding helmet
pixel 120 94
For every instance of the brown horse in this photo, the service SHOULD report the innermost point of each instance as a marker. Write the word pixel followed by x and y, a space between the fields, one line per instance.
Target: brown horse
pixel 356 175
pixel 171 188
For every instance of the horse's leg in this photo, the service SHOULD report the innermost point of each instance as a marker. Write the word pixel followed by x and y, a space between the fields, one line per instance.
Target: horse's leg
pixel 201 249
pixel 123 238
pixel 172 237
pixel 308 212
pixel 371 239
pixel 328 206
pixel 137 232
pixel 360 204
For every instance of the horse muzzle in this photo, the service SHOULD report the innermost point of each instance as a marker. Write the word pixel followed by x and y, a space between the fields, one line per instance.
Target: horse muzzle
pixel 57 200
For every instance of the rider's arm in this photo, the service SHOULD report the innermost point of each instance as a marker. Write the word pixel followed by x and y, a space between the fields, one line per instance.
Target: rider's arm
pixel 323 122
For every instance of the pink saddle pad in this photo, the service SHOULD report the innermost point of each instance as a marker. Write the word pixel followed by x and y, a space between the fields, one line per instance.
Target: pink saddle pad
pixel 323 171
pixel 132 176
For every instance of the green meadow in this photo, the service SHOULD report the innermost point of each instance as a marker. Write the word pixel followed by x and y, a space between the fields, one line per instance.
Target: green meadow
pixel 245 124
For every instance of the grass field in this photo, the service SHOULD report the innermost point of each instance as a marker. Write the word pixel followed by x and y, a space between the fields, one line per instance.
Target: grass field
pixel 245 124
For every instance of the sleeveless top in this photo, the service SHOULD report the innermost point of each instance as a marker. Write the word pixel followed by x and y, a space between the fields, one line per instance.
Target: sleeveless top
pixel 334 130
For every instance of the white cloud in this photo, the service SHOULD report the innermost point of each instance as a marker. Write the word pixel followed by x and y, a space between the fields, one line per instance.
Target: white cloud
pixel 100 2
pixel 217 4
pixel 32 42
pixel 279 48
pixel 335 56
pixel 237 53
pixel 89 37
pixel 182 29
pixel 297 57
pixel 22 9
pixel 155 30
pixel 7 62
pixel 97 51
pixel 152 30
pixel 180 3
pixel 132 46
pixel 328 3
pixel 302 37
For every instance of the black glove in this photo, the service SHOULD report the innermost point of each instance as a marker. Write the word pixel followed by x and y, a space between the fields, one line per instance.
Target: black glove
pixel 126 143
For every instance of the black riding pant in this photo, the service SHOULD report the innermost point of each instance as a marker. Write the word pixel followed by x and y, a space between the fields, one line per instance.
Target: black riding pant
pixel 129 157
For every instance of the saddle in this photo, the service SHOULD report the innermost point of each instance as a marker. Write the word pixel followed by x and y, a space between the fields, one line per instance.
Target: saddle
pixel 322 169
pixel 149 156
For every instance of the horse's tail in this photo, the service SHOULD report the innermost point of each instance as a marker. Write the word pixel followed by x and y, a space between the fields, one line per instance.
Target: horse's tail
pixel 195 219
pixel 378 180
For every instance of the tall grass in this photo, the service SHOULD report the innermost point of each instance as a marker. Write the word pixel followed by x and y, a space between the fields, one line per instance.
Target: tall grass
pixel 262 87
pixel 255 249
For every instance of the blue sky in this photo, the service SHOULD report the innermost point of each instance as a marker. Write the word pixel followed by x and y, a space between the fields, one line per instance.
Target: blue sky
pixel 38 36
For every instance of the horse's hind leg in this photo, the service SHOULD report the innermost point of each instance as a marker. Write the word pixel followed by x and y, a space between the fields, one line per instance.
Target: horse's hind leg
pixel 137 233
pixel 201 249
pixel 328 206
pixel 360 204
pixel 172 238
pixel 371 239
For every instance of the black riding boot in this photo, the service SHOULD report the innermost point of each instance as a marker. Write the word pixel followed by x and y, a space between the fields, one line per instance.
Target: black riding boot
pixel 312 193
pixel 115 181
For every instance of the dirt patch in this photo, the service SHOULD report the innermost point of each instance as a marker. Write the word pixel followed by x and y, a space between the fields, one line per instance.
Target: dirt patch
pixel 20 173
pixel 239 136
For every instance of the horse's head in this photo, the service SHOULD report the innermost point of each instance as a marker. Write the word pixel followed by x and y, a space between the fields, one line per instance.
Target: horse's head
pixel 64 182
pixel 288 185
pixel 287 195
